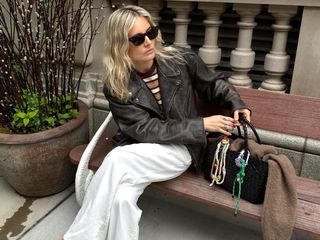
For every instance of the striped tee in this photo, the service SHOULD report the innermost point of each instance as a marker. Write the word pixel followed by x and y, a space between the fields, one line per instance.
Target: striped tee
pixel 151 80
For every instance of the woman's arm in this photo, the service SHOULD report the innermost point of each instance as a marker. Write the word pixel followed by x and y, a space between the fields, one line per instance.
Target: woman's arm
pixel 213 88
pixel 137 123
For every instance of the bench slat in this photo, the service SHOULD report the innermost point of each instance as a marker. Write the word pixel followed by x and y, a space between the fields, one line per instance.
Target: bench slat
pixel 195 187
pixel 290 114
pixel 308 190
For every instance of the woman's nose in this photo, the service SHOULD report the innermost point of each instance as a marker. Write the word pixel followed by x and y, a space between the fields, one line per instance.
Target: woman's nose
pixel 147 41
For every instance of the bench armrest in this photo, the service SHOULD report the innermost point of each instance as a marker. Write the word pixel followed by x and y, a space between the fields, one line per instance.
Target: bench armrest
pixel 84 174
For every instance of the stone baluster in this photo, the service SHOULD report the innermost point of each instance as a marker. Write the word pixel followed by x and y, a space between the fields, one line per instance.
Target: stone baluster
pixel 153 7
pixel 182 10
pixel 242 57
pixel 210 52
pixel 277 61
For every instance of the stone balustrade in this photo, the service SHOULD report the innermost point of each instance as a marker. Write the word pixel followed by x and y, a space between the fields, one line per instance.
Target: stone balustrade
pixel 242 58
pixel 305 64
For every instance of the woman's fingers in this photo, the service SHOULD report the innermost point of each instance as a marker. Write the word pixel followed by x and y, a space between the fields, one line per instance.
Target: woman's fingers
pixel 219 123
pixel 246 112
pixel 228 126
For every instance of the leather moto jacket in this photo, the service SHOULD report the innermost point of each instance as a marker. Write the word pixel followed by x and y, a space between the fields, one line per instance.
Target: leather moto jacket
pixel 140 119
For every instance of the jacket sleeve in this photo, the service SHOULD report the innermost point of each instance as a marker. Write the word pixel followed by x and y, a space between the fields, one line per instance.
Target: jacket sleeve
pixel 138 124
pixel 144 126
pixel 212 86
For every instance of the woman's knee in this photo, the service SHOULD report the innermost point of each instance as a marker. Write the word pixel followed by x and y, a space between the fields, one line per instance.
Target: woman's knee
pixel 126 197
pixel 123 156
pixel 115 156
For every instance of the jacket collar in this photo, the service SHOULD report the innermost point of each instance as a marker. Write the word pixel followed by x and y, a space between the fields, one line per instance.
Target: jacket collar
pixel 141 95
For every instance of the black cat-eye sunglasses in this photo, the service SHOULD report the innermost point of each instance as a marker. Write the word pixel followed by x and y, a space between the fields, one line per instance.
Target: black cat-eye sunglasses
pixel 139 38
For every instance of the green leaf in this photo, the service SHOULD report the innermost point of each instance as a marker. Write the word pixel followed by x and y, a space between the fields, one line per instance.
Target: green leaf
pixel 51 121
pixel 43 101
pixel 15 118
pixel 65 116
pixel 68 98
pixel 26 121
pixel 74 113
pixel 33 113
pixel 62 121
pixel 21 115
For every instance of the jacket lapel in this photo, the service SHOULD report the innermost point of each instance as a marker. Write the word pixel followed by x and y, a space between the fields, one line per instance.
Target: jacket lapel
pixel 141 95
pixel 169 82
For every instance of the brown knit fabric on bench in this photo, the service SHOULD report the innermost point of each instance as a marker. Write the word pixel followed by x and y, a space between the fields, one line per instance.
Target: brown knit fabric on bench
pixel 280 202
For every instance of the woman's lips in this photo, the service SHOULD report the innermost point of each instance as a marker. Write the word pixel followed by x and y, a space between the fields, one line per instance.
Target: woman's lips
pixel 149 51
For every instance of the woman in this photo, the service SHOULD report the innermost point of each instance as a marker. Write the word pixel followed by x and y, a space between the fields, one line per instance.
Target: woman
pixel 150 89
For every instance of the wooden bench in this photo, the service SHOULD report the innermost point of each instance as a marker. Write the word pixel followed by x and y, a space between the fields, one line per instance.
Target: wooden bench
pixel 287 114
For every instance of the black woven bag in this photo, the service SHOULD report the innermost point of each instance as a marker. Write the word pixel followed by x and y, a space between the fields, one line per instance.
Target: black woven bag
pixel 253 175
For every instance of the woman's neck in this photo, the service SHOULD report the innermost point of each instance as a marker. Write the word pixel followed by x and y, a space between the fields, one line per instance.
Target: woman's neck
pixel 145 67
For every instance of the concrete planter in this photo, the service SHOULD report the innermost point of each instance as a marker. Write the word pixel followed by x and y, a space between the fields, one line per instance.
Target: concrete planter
pixel 37 164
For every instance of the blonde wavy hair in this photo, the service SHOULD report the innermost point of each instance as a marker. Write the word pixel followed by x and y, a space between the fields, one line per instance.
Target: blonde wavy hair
pixel 117 62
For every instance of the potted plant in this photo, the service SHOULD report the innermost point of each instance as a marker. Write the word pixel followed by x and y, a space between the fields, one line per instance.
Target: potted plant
pixel 41 118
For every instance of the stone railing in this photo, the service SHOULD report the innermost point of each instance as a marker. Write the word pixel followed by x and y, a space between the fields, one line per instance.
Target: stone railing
pixel 306 69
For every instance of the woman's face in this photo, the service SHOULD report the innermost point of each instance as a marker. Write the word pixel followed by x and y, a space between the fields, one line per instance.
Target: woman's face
pixel 142 55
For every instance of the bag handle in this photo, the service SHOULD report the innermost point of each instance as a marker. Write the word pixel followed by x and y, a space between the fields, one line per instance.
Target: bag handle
pixel 244 122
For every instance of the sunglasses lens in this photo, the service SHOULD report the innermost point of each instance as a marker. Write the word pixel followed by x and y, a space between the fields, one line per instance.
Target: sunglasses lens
pixel 138 39
pixel 152 33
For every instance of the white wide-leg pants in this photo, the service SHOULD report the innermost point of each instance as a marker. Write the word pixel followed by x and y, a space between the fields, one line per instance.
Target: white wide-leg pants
pixel 109 210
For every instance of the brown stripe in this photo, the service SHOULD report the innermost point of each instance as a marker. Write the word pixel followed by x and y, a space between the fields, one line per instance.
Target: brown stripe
pixel 154 84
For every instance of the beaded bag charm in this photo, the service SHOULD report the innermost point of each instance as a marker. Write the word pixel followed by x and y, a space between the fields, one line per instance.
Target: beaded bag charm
pixel 240 162
pixel 218 168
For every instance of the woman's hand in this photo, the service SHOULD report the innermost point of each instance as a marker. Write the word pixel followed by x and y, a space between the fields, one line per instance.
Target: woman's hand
pixel 246 112
pixel 219 123
pixel 224 124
